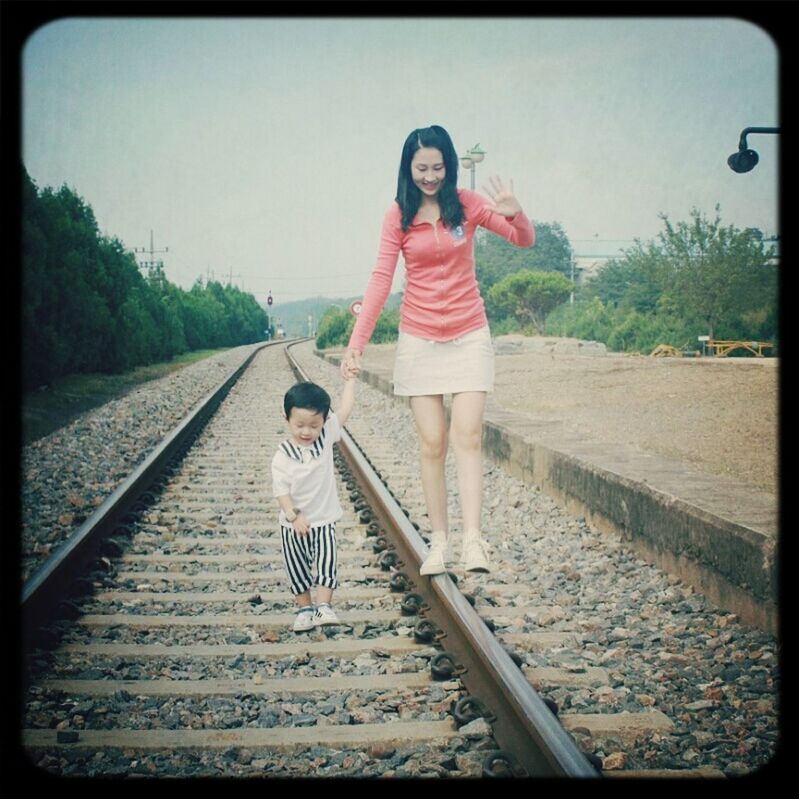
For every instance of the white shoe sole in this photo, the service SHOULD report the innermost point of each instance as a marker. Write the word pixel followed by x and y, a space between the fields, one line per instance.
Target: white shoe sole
pixel 478 562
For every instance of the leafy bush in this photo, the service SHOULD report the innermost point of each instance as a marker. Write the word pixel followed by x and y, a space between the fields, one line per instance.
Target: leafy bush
pixel 531 296
pixel 387 327
pixel 697 278
pixel 335 328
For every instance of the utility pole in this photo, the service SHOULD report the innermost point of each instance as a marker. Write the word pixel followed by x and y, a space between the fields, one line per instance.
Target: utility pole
pixel 230 279
pixel 153 267
pixel 571 296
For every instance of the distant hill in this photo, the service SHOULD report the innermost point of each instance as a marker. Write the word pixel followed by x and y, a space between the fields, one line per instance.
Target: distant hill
pixel 293 316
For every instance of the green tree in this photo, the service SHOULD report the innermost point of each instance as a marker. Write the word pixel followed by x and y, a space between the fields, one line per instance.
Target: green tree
pixel 531 296
pixel 496 258
pixel 386 327
pixel 137 335
pixel 697 277
pixel 86 306
pixel 587 319
pixel 636 281
pixel 719 273
pixel 335 328
pixel 336 324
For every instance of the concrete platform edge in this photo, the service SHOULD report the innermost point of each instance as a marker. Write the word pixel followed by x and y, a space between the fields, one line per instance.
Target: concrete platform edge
pixel 735 566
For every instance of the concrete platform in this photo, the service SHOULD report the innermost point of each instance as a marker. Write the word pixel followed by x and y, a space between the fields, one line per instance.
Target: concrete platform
pixel 714 533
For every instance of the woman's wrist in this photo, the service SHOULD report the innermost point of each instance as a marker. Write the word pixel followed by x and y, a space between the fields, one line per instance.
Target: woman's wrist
pixel 295 512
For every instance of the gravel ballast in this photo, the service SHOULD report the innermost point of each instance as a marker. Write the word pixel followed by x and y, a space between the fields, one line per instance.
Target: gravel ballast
pixel 663 646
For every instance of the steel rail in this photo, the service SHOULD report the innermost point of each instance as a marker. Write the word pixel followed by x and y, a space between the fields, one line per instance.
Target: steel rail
pixel 523 725
pixel 50 583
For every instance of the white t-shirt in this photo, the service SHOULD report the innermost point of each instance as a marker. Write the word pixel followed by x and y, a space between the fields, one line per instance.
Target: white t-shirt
pixel 307 475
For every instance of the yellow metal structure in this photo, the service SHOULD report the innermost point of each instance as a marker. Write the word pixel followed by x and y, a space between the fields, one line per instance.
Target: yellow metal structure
pixel 665 350
pixel 723 348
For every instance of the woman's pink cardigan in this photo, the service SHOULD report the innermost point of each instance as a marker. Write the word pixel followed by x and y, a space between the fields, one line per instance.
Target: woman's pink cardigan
pixel 442 299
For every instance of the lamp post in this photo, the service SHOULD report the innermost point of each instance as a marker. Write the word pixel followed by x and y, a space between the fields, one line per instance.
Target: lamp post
pixel 472 157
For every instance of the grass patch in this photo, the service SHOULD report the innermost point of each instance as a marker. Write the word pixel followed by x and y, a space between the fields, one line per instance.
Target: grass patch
pixel 47 409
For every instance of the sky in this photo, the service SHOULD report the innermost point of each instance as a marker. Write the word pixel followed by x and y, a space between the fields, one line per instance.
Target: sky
pixel 264 151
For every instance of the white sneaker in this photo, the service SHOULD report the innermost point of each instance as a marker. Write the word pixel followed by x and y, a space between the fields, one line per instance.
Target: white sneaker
pixel 434 562
pixel 304 620
pixel 475 554
pixel 325 615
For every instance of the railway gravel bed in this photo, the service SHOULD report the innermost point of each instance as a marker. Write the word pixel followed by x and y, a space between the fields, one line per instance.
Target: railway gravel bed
pixel 67 474
pixel 155 677
pixel 659 644
pixel 595 628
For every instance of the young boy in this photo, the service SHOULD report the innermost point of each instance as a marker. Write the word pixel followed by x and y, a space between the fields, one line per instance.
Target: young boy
pixel 304 485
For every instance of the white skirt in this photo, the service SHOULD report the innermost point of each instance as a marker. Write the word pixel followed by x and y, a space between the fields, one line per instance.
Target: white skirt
pixel 423 367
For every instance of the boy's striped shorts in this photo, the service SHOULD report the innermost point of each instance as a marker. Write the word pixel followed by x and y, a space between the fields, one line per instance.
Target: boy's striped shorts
pixel 304 554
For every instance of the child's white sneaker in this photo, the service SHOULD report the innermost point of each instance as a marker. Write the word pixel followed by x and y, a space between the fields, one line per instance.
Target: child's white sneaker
pixel 304 620
pixel 434 562
pixel 475 552
pixel 325 615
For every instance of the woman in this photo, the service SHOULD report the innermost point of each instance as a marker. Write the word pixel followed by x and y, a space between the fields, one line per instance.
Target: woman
pixel 444 344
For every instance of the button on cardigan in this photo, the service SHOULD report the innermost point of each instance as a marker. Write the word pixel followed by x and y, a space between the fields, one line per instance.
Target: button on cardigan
pixel 442 299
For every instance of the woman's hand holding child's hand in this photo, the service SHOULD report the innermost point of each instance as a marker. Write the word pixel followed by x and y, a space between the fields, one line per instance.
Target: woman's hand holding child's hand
pixel 351 365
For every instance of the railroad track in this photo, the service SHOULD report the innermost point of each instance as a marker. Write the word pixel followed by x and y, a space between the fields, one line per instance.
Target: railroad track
pixel 181 661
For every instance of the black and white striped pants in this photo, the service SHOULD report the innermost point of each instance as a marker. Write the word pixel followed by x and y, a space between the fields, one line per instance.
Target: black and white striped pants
pixel 301 553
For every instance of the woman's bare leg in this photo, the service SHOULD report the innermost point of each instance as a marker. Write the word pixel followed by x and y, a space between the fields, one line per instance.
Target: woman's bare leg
pixel 431 428
pixel 466 433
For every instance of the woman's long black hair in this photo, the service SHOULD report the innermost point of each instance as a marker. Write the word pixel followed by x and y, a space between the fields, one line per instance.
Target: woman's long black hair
pixel 409 197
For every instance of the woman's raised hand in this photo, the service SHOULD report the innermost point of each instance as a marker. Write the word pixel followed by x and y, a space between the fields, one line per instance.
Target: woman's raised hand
pixel 503 198
pixel 351 365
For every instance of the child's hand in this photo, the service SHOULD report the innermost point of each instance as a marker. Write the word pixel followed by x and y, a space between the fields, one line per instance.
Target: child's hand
pixel 351 364
pixel 301 526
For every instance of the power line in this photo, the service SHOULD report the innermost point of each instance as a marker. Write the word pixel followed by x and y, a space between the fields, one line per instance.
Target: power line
pixel 596 255
pixel 293 279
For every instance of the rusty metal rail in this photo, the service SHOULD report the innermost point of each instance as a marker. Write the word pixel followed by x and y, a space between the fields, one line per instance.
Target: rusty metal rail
pixel 52 581
pixel 523 725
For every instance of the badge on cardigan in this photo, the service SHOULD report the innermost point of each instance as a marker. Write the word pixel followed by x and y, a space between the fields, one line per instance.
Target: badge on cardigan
pixel 458 234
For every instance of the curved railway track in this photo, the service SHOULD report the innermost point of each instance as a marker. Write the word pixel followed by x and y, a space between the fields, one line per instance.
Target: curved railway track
pixel 180 657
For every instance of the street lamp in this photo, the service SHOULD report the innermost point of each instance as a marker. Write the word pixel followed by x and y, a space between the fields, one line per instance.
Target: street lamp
pixel 472 157
pixel 745 160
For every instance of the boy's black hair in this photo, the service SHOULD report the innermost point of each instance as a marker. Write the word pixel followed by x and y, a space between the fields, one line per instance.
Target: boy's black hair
pixel 308 396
